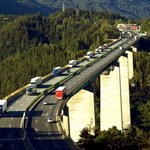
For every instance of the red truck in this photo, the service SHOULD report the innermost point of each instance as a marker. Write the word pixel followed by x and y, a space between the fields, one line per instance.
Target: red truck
pixel 60 92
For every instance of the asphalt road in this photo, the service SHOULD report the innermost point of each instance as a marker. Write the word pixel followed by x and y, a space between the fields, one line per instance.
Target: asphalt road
pixel 44 135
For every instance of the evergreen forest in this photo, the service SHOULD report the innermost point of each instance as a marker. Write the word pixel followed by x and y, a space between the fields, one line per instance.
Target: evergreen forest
pixel 32 45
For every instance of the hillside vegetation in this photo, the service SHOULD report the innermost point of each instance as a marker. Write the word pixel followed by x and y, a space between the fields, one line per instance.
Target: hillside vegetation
pixel 23 7
pixel 129 8
pixel 33 45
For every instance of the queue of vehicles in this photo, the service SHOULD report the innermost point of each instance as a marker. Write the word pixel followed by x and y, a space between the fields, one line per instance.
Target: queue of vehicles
pixel 61 91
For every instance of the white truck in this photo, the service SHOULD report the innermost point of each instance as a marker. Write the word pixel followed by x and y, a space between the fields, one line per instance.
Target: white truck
pixel 96 50
pixel 36 80
pixel 3 106
pixel 89 54
pixel 72 63
pixel 100 48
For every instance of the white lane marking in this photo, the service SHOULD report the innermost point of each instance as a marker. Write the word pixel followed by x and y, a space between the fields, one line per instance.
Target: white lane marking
pixel 16 109
pixel 12 118
pixel 9 125
pixel 13 146
pixel 36 129
pixel 22 105
pixel 35 121
pixel 41 106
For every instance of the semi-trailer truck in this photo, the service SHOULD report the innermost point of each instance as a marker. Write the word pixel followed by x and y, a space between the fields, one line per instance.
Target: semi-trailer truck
pixel 3 106
pixel 99 49
pixel 31 89
pixel 72 63
pixel 89 54
pixel 60 92
pixel 36 80
pixel 56 71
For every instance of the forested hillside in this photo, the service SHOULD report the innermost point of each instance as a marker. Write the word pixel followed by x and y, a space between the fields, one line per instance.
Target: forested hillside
pixel 23 7
pixel 129 8
pixel 33 45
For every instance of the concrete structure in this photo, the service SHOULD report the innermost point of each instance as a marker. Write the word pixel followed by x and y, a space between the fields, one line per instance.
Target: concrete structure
pixel 81 113
pixel 114 96
pixel 110 104
pixel 134 49
pixel 130 63
pixel 125 97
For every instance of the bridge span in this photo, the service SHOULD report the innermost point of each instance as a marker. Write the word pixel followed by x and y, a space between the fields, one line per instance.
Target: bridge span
pixel 25 126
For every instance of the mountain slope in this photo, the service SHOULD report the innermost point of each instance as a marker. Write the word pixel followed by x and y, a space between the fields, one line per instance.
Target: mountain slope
pixel 128 8
pixel 20 7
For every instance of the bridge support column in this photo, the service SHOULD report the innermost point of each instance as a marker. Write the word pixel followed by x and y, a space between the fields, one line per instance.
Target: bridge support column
pixel 125 98
pixel 130 63
pixel 110 104
pixel 114 98
pixel 81 112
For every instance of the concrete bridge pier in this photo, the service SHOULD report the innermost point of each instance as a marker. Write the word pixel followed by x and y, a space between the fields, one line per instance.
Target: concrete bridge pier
pixel 114 97
pixel 124 87
pixel 130 63
pixel 79 113
pixel 110 104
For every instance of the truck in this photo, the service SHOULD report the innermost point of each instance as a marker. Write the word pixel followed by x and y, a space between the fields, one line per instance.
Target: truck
pixel 36 80
pixel 96 50
pixel 56 71
pixel 60 92
pixel 105 46
pixel 89 54
pixel 31 89
pixel 72 63
pixel 3 106
pixel 99 49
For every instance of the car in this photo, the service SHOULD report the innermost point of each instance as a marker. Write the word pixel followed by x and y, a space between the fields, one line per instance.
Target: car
pixel 45 102
pixel 50 119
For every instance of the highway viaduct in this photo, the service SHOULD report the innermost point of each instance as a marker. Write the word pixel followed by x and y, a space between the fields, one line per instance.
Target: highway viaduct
pixel 27 128
pixel 79 112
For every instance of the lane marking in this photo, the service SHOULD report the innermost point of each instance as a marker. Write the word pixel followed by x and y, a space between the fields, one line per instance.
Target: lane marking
pixel 13 146
pixel 9 125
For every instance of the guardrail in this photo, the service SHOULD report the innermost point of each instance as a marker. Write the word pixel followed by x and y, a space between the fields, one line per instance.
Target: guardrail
pixel 47 77
pixel 51 88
